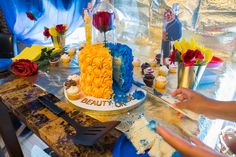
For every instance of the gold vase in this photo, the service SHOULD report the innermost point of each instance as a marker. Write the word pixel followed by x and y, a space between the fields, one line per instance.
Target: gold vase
pixel 59 41
pixel 189 76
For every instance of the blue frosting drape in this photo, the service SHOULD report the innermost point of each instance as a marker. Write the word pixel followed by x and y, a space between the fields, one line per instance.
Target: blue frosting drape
pixel 48 13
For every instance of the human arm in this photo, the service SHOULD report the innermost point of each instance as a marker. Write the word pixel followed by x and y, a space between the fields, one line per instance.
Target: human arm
pixel 198 103
pixel 187 149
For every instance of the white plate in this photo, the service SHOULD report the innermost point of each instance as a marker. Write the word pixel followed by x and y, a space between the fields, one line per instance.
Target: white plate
pixel 97 104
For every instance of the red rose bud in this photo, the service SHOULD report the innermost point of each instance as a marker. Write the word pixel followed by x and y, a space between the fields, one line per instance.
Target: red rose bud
pixel 172 57
pixel 24 67
pixel 31 16
pixel 60 28
pixel 46 32
pixel 103 21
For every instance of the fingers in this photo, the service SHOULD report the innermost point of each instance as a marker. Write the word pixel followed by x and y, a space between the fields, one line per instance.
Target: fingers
pixel 198 142
pixel 174 140
pixel 182 105
pixel 182 91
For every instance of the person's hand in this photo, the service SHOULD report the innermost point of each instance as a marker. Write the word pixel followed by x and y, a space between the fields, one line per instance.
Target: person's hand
pixel 164 35
pixel 187 149
pixel 193 101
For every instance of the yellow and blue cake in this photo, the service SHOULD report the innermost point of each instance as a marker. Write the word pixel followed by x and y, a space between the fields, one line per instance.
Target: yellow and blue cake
pixel 106 71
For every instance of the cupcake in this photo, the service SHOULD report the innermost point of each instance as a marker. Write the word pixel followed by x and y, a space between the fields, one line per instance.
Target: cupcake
pixel 144 66
pixel 172 68
pixel 149 70
pixel 153 63
pixel 136 62
pixel 71 52
pixel 160 82
pixel 148 79
pixel 163 71
pixel 73 93
pixel 75 78
pixel 65 58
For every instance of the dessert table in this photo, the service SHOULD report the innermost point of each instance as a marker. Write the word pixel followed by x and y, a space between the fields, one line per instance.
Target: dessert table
pixel 19 96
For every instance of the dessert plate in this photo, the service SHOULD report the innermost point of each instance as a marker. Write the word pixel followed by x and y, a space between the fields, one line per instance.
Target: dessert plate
pixel 215 62
pixel 124 148
pixel 104 105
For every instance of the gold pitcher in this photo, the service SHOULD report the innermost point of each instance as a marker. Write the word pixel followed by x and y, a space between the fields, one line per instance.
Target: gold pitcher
pixel 59 41
pixel 189 76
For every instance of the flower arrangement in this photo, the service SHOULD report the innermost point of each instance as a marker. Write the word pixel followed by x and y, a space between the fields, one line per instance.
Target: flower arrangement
pixel 55 31
pixel 31 16
pixel 190 53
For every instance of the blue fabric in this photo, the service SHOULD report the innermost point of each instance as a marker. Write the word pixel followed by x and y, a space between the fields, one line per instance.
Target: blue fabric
pixel 48 13
pixel 174 30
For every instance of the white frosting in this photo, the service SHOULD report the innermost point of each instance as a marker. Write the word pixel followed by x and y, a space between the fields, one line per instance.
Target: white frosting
pixel 148 70
pixel 65 56
pixel 73 77
pixel 161 79
pixel 164 68
pixel 140 131
pixel 73 90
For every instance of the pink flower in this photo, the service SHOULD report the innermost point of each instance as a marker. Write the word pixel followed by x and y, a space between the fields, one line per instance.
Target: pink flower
pixel 31 16
pixel 46 32
pixel 61 28
pixel 103 21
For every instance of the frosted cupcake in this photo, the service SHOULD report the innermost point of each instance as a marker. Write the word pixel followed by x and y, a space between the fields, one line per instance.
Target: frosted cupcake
pixel 172 68
pixel 71 52
pixel 73 93
pixel 136 62
pixel 144 66
pixel 65 59
pixel 163 71
pixel 75 78
pixel 148 79
pixel 160 82
pixel 149 70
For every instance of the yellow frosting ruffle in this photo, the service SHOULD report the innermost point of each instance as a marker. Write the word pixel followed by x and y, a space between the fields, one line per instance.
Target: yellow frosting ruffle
pixel 95 63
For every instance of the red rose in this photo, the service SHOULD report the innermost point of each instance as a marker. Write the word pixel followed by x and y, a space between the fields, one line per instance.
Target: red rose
pixel 31 16
pixel 103 21
pixel 61 28
pixel 24 67
pixel 189 58
pixel 46 32
pixel 199 55
pixel 172 57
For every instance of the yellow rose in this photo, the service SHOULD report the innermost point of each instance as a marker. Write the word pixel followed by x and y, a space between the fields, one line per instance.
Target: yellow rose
pixel 97 62
pixel 97 72
pixel 97 82
pixel 107 93
pixel 53 31
pixel 107 73
pixel 107 64
pixel 89 79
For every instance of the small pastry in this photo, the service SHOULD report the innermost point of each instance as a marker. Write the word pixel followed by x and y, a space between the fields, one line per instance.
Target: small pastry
pixel 73 93
pixel 149 70
pixel 148 80
pixel 71 52
pixel 160 82
pixel 163 71
pixel 74 77
pixel 153 63
pixel 136 62
pixel 158 57
pixel 172 68
pixel 65 58
pixel 70 83
pixel 144 66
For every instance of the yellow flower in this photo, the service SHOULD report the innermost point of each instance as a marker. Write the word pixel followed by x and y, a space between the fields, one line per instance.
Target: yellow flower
pixel 177 46
pixel 53 31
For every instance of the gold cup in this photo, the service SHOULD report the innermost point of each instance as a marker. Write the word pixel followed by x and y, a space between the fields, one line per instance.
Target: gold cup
pixel 189 76
pixel 59 41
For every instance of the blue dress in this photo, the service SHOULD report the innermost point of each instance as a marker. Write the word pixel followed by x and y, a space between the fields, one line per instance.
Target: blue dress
pixel 174 32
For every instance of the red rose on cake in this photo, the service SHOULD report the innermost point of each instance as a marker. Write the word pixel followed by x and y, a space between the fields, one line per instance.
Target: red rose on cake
pixel 103 21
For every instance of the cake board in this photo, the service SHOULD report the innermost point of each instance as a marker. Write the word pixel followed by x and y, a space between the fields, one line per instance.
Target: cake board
pixel 108 106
